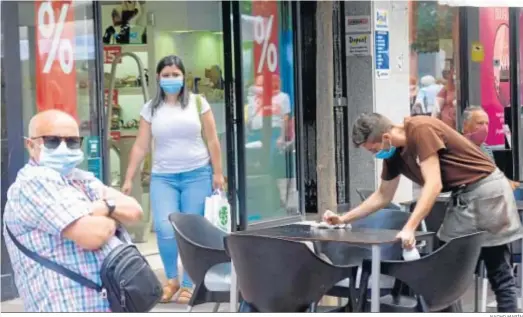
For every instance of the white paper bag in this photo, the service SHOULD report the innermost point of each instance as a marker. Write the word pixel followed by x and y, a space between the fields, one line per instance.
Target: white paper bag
pixel 218 211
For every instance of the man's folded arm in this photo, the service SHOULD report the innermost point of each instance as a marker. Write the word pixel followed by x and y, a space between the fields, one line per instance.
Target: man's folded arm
pixel 90 232
pixel 59 209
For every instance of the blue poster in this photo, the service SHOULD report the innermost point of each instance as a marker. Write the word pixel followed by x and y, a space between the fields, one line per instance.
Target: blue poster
pixel 93 153
pixel 382 47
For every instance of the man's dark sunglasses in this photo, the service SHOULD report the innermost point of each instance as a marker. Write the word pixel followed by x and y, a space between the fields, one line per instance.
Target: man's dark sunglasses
pixel 52 141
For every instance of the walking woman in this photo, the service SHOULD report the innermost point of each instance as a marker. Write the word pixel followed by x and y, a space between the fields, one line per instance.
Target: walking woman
pixel 186 162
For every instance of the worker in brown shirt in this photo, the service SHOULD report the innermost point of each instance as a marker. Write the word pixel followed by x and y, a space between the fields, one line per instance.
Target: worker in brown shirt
pixel 437 157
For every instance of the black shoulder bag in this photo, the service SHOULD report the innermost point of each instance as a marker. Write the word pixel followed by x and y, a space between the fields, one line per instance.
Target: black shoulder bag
pixel 128 282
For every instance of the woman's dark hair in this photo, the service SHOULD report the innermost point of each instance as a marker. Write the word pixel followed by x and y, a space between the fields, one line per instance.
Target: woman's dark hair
pixel 183 96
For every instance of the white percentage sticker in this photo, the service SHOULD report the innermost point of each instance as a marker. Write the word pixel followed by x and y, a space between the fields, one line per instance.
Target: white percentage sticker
pixel 262 34
pixel 53 31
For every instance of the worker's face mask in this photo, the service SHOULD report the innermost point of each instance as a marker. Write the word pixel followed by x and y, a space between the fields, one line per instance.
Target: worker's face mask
pixel 171 85
pixel 384 154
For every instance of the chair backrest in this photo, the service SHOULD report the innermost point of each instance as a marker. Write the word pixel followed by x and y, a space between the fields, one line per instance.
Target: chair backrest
pixel 276 275
pixel 436 215
pixel 518 193
pixel 365 193
pixel 386 219
pixel 443 276
pixel 200 244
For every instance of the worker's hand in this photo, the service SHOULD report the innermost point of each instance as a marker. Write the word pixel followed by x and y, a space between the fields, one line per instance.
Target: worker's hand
pixel 407 237
pixel 514 185
pixel 332 218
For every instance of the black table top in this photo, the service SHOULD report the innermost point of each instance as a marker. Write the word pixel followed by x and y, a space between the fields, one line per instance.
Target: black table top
pixel 361 236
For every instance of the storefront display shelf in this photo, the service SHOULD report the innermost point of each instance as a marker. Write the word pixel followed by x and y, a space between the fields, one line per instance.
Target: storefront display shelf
pixel 130 47
pixel 129 90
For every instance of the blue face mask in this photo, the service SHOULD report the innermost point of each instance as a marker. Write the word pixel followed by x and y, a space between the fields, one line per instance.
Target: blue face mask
pixel 62 159
pixel 171 85
pixel 386 154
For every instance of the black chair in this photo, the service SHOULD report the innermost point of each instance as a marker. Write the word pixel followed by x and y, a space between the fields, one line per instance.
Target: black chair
pixel 343 254
pixel 365 193
pixel 438 280
pixel 276 275
pixel 203 256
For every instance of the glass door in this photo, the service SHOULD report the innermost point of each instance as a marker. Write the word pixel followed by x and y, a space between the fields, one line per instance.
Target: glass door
pixel 136 35
pixel 268 104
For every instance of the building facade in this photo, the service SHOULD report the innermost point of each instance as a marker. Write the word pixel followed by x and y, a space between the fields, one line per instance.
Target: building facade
pixel 86 57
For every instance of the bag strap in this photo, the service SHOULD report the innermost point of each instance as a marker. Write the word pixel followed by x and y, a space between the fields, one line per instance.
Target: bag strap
pixel 199 109
pixel 54 266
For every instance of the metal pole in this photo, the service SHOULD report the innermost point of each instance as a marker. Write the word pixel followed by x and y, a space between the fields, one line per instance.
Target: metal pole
pixel 515 105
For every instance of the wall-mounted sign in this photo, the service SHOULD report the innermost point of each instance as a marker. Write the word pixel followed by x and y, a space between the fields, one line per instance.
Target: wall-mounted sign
pixel 477 53
pixel 357 23
pixel 94 161
pixel 358 44
pixel 382 58
pixel 381 19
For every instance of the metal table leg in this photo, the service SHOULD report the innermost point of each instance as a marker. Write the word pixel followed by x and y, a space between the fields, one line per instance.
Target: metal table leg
pixel 375 279
pixel 233 303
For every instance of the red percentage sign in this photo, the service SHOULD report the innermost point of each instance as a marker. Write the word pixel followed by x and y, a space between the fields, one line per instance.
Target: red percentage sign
pixel 53 31
pixel 262 34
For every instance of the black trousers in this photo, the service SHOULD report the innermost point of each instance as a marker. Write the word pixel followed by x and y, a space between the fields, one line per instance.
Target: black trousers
pixel 501 277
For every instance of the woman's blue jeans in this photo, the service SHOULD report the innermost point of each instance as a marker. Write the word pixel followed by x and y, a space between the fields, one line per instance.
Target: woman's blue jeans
pixel 181 192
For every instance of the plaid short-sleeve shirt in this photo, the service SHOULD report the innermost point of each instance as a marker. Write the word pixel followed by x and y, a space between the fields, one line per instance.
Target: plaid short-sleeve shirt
pixel 40 205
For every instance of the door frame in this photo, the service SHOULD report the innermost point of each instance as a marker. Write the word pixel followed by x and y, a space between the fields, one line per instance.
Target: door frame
pixel 15 128
pixel 515 90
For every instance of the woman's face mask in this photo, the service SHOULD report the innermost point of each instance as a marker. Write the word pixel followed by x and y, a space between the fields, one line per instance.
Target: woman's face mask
pixel 479 136
pixel 171 85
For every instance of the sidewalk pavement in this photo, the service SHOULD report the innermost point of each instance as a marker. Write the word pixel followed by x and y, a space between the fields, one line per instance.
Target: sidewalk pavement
pixel 16 306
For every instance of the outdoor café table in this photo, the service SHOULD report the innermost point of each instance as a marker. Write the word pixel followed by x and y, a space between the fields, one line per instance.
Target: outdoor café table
pixel 374 238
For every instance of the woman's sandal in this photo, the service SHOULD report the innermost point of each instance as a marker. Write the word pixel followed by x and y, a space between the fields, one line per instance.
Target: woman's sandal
pixel 184 296
pixel 169 290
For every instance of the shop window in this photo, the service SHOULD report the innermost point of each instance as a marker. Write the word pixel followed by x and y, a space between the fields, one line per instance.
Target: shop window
pixel 57 55
pixel 268 77
pixel 489 67
pixel 433 60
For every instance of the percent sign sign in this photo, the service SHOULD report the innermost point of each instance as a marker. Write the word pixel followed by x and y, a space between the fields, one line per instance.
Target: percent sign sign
pixel 269 53
pixel 52 30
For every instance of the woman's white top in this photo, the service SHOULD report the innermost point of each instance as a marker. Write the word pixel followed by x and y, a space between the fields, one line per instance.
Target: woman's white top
pixel 177 136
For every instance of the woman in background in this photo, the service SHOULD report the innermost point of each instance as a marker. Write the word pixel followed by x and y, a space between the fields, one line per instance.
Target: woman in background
pixel 185 167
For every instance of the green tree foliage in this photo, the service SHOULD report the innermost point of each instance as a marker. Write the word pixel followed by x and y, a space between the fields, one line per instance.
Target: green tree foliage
pixel 433 22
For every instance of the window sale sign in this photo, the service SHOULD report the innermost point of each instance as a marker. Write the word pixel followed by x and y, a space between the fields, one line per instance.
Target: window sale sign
pixel 266 49
pixel 55 60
